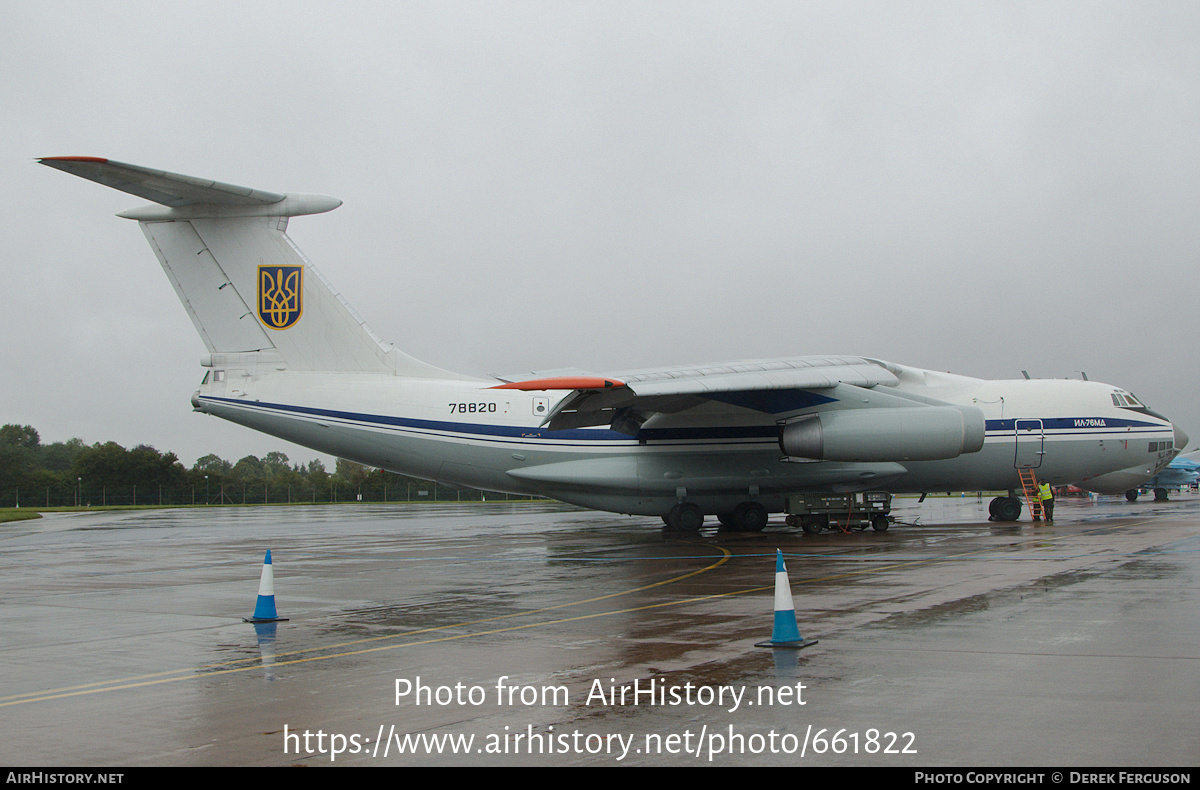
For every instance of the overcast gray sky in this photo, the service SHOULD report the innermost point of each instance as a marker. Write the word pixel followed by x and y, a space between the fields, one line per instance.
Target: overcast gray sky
pixel 974 187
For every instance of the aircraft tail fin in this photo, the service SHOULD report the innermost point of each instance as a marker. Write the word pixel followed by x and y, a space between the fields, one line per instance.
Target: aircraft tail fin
pixel 251 293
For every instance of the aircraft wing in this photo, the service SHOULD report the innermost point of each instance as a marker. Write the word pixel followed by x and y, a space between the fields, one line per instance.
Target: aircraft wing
pixel 766 374
pixel 772 386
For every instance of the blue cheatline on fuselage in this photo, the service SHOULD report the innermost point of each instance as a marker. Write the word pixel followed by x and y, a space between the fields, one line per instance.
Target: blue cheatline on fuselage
pixel 1058 427
pixel 524 433
pixel 1083 425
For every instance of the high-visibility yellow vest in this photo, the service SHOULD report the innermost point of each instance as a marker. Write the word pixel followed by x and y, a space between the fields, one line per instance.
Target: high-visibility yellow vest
pixel 1044 491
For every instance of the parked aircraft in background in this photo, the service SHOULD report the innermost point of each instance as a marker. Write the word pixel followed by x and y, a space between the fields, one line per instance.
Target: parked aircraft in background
pixel 288 356
pixel 1183 471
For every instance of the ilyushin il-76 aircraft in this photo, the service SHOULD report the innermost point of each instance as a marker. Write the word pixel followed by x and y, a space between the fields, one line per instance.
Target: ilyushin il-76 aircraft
pixel 289 357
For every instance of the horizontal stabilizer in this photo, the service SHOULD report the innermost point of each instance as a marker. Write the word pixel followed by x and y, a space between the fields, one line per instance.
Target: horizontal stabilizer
pixel 188 197
pixel 159 186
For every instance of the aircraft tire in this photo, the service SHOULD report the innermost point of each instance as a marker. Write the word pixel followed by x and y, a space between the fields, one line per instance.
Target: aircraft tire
pixel 994 507
pixel 1160 495
pixel 685 517
pixel 1131 494
pixel 727 521
pixel 1009 509
pixel 750 517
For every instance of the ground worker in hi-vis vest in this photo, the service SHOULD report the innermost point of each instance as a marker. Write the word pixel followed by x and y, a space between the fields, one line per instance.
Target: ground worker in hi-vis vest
pixel 1047 496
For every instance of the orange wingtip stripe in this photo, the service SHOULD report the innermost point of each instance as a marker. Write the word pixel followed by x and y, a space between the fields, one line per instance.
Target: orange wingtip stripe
pixel 563 383
pixel 101 160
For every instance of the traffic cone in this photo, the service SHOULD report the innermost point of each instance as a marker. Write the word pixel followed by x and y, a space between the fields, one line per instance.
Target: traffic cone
pixel 786 632
pixel 264 610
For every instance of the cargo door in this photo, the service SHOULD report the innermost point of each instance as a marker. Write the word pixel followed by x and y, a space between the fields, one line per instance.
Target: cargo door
pixel 1030 444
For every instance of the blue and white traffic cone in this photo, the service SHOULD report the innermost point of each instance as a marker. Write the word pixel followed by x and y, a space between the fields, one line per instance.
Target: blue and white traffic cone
pixel 786 632
pixel 264 610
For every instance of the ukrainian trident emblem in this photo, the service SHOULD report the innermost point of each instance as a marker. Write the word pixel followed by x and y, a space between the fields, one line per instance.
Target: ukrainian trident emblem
pixel 279 295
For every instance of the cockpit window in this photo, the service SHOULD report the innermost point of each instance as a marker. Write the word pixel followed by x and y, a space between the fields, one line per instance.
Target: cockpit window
pixel 1124 400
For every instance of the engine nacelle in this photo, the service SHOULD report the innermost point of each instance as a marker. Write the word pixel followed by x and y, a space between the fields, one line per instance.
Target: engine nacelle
pixel 918 433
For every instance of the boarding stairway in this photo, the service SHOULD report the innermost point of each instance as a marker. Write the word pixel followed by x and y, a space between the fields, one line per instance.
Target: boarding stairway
pixel 1033 497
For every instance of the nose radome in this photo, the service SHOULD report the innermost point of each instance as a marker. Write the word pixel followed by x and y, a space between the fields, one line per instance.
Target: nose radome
pixel 1181 438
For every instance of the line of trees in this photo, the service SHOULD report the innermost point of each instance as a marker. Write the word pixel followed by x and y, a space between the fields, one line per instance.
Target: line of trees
pixel 67 473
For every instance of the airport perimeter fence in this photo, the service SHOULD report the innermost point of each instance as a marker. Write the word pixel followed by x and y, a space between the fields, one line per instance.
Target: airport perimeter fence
pixel 167 496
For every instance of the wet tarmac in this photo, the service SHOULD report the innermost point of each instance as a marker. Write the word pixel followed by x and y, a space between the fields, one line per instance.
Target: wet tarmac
pixel 532 634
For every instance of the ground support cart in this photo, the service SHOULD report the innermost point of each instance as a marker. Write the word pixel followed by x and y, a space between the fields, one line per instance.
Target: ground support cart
pixel 814 512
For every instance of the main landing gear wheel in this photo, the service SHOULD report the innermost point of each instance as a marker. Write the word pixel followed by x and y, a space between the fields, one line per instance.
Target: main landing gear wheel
pixel 1131 494
pixel 750 517
pixel 1005 508
pixel 684 517
pixel 1160 495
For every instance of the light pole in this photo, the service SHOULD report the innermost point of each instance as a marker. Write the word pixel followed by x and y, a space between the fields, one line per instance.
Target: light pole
pixel 206 499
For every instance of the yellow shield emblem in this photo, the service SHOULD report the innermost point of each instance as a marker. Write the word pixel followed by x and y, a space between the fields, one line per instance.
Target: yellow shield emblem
pixel 280 295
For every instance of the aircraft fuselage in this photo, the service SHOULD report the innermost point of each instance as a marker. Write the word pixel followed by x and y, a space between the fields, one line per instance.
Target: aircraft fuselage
pixel 469 433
